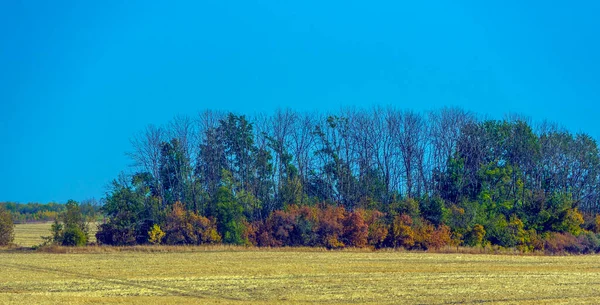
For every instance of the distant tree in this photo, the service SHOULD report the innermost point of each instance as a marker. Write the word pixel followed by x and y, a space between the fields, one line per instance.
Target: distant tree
pixel 6 227
pixel 90 208
pixel 174 171
pixel 210 159
pixel 24 212
pixel 146 155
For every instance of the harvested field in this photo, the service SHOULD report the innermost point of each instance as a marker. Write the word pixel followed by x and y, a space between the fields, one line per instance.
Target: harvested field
pixel 256 276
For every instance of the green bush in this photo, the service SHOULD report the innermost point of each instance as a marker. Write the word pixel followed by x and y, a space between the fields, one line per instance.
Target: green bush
pixel 74 236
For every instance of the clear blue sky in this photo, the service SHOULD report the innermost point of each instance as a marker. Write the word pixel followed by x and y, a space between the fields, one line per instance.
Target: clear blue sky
pixel 79 78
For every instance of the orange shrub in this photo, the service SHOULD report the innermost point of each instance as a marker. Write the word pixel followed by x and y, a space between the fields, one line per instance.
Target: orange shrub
pixel 440 237
pixel 275 231
pixel 331 226
pixel 282 225
pixel 174 227
pixel 202 230
pixel 356 231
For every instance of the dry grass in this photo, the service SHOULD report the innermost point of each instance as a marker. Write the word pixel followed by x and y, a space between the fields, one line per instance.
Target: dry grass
pixel 251 276
pixel 228 274
pixel 30 234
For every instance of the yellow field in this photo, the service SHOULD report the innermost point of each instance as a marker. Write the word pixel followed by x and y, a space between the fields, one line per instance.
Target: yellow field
pixel 221 274
pixel 30 234
pixel 271 276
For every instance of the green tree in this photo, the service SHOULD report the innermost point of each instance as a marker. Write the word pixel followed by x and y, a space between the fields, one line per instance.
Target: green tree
pixel 237 135
pixel 71 227
pixel 433 210
pixel 6 227
pixel 210 163
pixel 132 208
pixel 174 172
pixel 230 213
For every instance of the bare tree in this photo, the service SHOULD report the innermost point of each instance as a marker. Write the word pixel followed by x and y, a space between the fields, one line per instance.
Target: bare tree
pixel 409 132
pixel 280 134
pixel 303 142
pixel 444 132
pixel 146 153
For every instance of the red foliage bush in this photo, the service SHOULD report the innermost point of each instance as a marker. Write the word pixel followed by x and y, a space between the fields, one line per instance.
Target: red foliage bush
pixel 356 230
pixel 440 237
pixel 331 227
pixel 327 226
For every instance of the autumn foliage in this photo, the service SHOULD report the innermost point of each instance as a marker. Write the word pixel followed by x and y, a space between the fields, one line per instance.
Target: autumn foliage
pixel 187 228
pixel 385 178
pixel 356 230
pixel 402 232
pixel 335 227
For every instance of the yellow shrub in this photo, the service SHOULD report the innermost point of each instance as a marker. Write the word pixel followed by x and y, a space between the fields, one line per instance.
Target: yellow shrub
pixel 156 235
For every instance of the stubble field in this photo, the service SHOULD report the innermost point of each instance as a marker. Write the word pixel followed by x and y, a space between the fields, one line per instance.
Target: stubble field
pixel 220 274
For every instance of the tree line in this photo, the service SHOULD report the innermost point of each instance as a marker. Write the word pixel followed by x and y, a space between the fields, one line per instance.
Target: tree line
pixel 38 212
pixel 225 177
pixel 379 177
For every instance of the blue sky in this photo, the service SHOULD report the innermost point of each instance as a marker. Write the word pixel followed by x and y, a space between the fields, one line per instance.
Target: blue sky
pixel 79 78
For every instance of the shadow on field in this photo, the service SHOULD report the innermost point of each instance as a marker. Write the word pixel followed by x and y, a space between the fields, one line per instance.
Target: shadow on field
pixel 162 289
